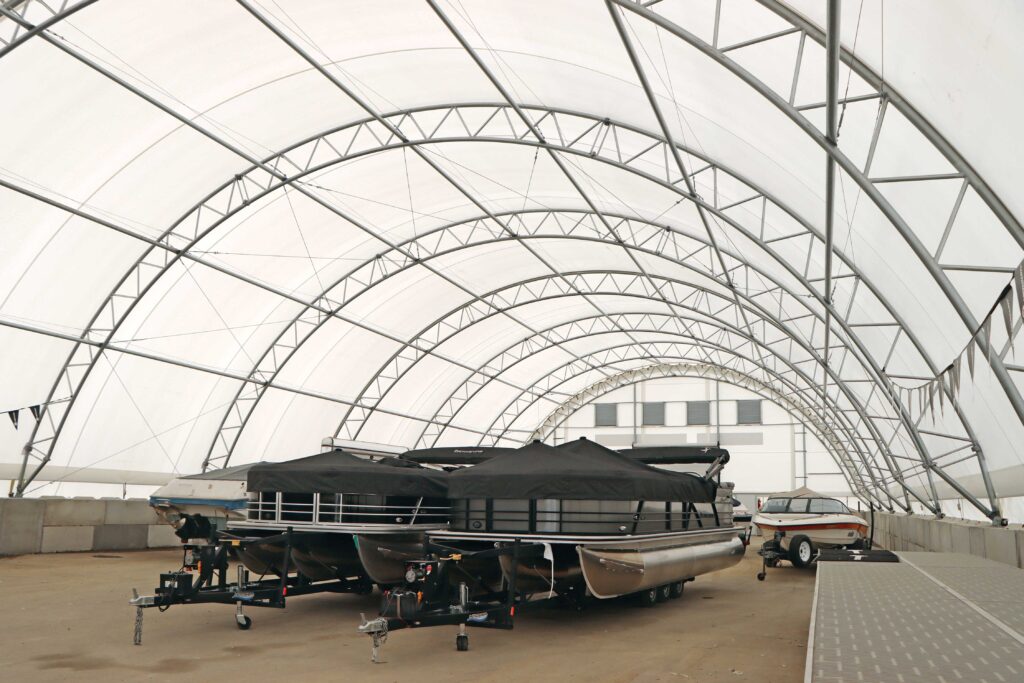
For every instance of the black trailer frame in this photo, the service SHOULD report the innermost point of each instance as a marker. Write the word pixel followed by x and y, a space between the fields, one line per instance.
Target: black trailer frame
pixel 203 578
pixel 436 605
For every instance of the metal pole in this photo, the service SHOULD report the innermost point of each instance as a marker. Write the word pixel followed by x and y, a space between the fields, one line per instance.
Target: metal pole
pixel 831 107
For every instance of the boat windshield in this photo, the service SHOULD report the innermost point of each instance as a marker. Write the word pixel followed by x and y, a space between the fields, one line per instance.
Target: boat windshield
pixel 814 506
pixel 776 505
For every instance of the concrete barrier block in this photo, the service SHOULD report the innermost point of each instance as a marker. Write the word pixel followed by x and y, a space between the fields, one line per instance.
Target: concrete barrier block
pixel 945 540
pixel 961 538
pixel 66 539
pixel 21 525
pixel 67 512
pixel 977 536
pixel 121 537
pixel 129 512
pixel 161 536
pixel 1001 545
pixel 1020 547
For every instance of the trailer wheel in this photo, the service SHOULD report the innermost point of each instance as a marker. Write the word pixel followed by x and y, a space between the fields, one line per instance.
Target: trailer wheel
pixel 801 551
pixel 245 623
pixel 648 598
pixel 675 590
pixel 760 576
pixel 462 643
pixel 664 593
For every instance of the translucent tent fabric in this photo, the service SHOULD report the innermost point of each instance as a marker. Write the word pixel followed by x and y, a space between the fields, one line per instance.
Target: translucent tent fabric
pixel 233 231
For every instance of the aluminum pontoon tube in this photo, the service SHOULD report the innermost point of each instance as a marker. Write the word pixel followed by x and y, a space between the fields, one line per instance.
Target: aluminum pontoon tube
pixel 631 565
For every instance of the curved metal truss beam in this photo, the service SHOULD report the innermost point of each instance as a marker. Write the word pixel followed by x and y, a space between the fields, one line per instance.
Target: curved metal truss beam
pixel 673 326
pixel 887 94
pixel 240 192
pixel 685 295
pixel 14 34
pixel 839 449
pixel 701 335
pixel 595 391
pixel 710 370
pixel 380 120
pixel 869 185
pixel 664 350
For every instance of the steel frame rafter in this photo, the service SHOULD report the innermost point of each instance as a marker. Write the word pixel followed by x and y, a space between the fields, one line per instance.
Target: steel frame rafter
pixel 132 289
pixel 97 348
pixel 630 279
pixel 610 357
pixel 944 147
pixel 662 351
pixel 19 34
pixel 884 206
pixel 244 189
pixel 397 132
pixel 706 331
pixel 550 424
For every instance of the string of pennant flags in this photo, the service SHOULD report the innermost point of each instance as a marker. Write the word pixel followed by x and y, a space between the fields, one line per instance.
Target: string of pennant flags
pixel 948 379
pixel 36 411
pixel 15 415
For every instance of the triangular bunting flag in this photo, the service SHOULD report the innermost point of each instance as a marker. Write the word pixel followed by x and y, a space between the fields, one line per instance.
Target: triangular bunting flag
pixel 986 333
pixel 37 412
pixel 1018 280
pixel 956 376
pixel 970 355
pixel 13 414
pixel 1007 305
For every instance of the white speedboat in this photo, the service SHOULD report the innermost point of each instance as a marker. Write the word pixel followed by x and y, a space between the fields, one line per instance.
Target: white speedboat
pixel 798 523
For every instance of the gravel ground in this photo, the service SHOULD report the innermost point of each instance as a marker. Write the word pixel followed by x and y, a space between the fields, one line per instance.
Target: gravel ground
pixel 66 618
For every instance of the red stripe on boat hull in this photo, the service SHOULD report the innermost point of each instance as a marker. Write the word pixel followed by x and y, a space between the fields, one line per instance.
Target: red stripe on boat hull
pixel 811 527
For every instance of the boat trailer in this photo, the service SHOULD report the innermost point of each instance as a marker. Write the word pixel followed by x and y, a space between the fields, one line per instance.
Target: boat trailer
pixel 203 578
pixel 438 592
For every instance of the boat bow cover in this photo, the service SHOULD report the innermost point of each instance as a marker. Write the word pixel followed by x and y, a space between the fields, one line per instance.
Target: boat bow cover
pixel 578 470
pixel 677 455
pixel 454 455
pixel 341 472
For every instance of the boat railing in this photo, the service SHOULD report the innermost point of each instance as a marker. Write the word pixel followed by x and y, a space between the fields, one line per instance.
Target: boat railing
pixel 315 509
pixel 554 516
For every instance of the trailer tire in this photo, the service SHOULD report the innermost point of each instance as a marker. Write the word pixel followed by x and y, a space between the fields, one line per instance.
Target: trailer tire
pixel 664 593
pixel 245 623
pixel 675 590
pixel 648 597
pixel 801 551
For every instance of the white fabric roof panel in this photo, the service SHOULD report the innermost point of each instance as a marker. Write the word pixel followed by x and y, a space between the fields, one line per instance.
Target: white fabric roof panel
pixel 303 219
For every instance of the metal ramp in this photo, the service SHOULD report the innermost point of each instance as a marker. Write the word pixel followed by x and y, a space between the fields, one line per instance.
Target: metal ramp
pixel 931 617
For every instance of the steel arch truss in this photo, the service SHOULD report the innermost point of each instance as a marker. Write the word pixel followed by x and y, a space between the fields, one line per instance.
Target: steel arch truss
pixel 686 296
pixel 540 127
pixel 825 433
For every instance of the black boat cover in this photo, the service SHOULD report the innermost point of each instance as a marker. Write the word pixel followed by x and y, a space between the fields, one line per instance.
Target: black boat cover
pixel 677 455
pixel 341 472
pixel 234 473
pixel 456 455
pixel 577 470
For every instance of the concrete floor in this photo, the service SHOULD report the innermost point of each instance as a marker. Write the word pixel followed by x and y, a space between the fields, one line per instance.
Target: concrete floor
pixel 66 618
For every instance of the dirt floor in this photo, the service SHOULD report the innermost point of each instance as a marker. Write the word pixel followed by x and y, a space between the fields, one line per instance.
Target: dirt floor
pixel 67 618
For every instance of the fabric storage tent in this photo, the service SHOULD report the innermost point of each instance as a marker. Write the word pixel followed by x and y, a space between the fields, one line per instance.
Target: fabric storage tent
pixel 233 231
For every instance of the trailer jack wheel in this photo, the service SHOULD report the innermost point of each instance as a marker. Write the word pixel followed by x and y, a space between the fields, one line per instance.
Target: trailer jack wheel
pixel 760 576
pixel 244 622
pixel 461 642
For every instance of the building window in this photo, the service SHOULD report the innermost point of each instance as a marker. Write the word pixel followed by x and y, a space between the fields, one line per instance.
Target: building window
pixel 698 412
pixel 748 412
pixel 606 415
pixel 653 414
